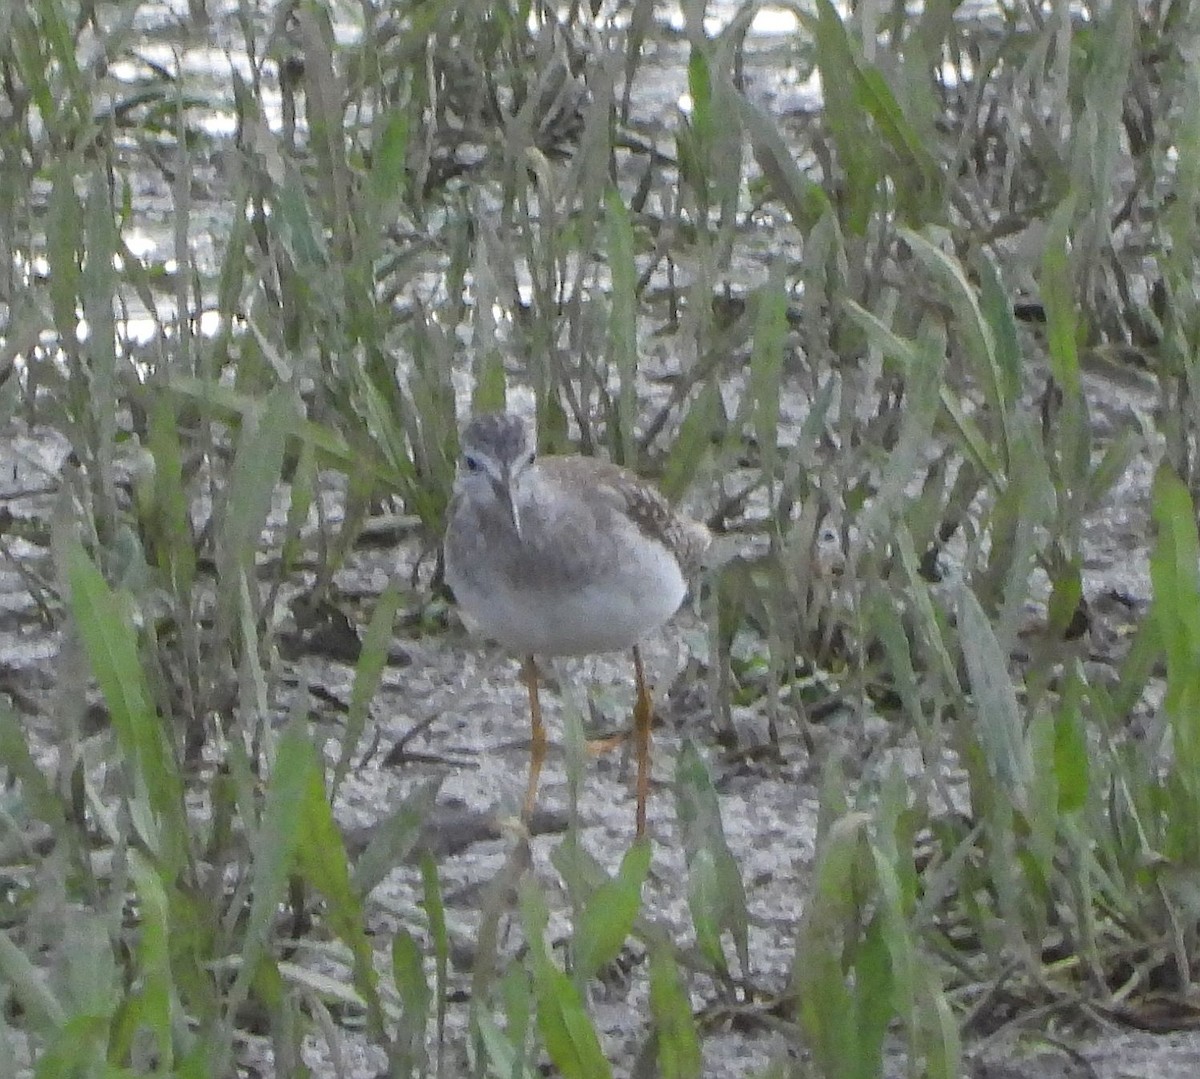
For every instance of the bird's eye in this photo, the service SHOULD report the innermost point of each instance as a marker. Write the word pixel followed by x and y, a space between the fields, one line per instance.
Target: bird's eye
pixel 530 458
pixel 472 463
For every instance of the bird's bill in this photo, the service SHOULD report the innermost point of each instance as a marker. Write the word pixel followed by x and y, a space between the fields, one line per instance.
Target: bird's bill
pixel 504 493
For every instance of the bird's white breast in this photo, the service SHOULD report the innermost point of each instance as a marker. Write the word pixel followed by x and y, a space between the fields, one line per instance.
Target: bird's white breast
pixel 608 605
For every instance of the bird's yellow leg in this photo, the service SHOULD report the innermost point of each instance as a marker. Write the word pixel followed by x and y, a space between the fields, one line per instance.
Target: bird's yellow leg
pixel 537 740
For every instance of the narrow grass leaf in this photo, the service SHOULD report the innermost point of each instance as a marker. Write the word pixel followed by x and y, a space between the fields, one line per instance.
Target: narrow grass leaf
pixel 623 319
pixel 230 405
pixel 1058 300
pixel 567 1032
pixel 321 859
pixel 693 442
pixel 909 452
pixel 608 916
pixel 90 980
pixel 368 672
pixel 727 156
pixel 997 726
pixel 699 77
pixel 303 237
pixel 490 393
pixel 679 1054
pixel 63 53
pixel 972 440
pixel 885 618
pixel 64 229
pixel 435 911
pixel 28 985
pixel 516 993
pixel 394 838
pixel 1175 574
pixel 330 987
pixel 882 336
pixel 388 176
pixel 938 1040
pixel 408 976
pixel 996 306
pixel 705 905
pixel 432 416
pixel 1113 464
pixel 914 170
pixel 716 894
pixel 823 963
pixel 174 551
pixel 912 355
pixel 302 494
pixel 1066 594
pixel 113 654
pixel 858 150
pixel 874 996
pixel 155 983
pixel 80 1043
pixel 805 201
pixel 927 622
pixel 257 468
pixel 37 794
pixel 979 343
pixel 382 406
pixel 504 1059
pixel 325 114
pixel 694 140
pixel 99 291
pixel 1141 660
pixel 766 365
pixel 29 41
pixel 641 21
pixel 274 851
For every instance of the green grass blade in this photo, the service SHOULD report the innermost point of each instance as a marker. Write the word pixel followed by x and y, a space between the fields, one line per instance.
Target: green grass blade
pixel 766 366
pixel 435 911
pixel 609 914
pixel 1175 573
pixel 567 1032
pixel 998 723
pixel 804 200
pixel 395 837
pixel 153 998
pixel 679 1054
pixel 716 894
pixel 175 548
pixel 274 855
pixel 1058 299
pixel 113 654
pixel 19 764
pixel 368 672
pixel 826 1003
pixel 979 342
pixel 100 287
pixel 30 986
pixel 321 859
pixel 995 305
pixel 693 442
pixel 623 320
pixel 408 975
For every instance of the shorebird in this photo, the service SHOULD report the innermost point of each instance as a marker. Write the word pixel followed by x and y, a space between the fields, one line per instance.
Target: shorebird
pixel 564 556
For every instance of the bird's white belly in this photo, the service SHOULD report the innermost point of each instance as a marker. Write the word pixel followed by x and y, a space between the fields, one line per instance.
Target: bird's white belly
pixel 605 615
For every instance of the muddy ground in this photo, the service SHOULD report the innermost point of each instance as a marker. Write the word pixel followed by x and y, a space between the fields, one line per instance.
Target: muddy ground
pixel 460 713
